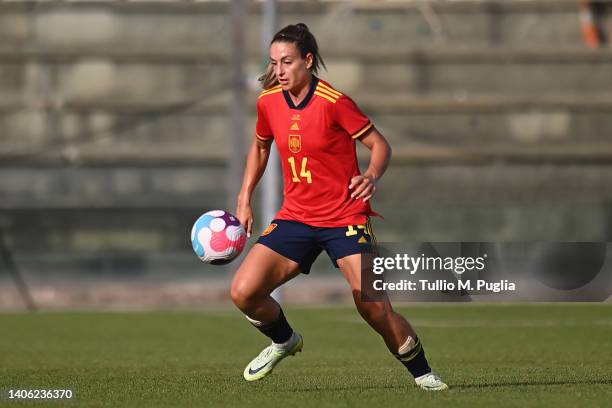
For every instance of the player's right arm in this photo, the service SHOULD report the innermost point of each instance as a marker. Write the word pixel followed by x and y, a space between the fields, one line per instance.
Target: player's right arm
pixel 257 159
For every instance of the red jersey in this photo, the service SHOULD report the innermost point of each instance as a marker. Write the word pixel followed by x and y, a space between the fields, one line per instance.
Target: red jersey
pixel 316 143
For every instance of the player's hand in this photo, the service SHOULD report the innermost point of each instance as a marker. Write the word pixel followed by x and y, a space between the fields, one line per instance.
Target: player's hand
pixel 362 187
pixel 244 213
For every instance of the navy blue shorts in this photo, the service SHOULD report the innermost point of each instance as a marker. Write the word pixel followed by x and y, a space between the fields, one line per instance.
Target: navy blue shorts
pixel 302 243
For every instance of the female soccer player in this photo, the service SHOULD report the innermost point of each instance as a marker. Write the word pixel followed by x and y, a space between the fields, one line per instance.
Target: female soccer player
pixel 326 204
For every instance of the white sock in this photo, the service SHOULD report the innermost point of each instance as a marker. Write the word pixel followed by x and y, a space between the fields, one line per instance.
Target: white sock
pixel 417 379
pixel 287 344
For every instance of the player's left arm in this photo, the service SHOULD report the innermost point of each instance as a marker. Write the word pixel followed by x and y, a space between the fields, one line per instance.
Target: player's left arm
pixel 364 186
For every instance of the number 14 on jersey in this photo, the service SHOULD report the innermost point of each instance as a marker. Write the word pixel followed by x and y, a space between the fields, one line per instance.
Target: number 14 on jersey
pixel 303 172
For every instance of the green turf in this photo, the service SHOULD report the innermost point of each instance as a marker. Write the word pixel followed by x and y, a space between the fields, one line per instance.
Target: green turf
pixel 534 355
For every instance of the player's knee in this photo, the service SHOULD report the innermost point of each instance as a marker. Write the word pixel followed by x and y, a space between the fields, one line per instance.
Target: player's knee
pixel 242 296
pixel 373 311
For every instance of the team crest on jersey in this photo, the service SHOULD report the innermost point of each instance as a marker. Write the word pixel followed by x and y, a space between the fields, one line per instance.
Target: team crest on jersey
pixel 295 143
pixel 270 228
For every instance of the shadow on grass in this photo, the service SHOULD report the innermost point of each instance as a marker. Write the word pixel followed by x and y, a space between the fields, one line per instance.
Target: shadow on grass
pixel 532 383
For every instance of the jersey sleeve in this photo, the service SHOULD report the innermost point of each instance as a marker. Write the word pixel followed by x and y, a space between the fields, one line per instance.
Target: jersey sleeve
pixel 263 130
pixel 350 117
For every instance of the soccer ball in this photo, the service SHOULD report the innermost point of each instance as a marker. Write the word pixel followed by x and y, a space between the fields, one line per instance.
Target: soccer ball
pixel 217 237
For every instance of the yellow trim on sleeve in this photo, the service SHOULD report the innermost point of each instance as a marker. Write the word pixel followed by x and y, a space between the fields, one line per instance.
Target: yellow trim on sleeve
pixel 265 139
pixel 330 89
pixel 362 131
pixel 271 91
pixel 326 92
pixel 322 95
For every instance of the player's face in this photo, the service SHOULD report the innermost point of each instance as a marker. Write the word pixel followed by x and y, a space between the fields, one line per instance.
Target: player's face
pixel 292 71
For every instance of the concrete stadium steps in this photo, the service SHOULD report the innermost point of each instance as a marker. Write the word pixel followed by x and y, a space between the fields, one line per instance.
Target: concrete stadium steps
pixel 100 135
pixel 518 184
pixel 115 186
pixel 124 231
pixel 549 221
pixel 184 187
pixel 337 24
pixel 527 128
pixel 188 73
pixel 435 129
pixel 462 72
pixel 128 74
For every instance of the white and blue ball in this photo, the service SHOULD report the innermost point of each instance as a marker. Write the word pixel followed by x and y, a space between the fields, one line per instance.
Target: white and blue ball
pixel 218 237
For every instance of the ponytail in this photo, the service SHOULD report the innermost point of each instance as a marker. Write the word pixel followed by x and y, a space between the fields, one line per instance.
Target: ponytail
pixel 268 79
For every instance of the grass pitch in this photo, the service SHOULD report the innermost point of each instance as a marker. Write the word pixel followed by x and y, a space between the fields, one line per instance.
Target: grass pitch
pixel 506 355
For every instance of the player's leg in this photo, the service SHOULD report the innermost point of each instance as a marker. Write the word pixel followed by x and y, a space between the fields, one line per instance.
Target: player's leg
pixel 262 271
pixel 398 334
pixel 393 328
pixel 282 252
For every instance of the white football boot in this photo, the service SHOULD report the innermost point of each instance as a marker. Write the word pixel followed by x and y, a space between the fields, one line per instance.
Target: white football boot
pixel 431 382
pixel 265 362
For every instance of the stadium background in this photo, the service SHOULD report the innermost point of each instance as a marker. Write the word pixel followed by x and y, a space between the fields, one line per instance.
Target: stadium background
pixel 120 122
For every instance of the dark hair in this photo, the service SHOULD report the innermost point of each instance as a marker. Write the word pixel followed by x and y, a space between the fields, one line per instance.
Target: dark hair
pixel 300 35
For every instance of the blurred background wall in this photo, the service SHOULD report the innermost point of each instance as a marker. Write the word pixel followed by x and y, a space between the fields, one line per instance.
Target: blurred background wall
pixel 115 133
